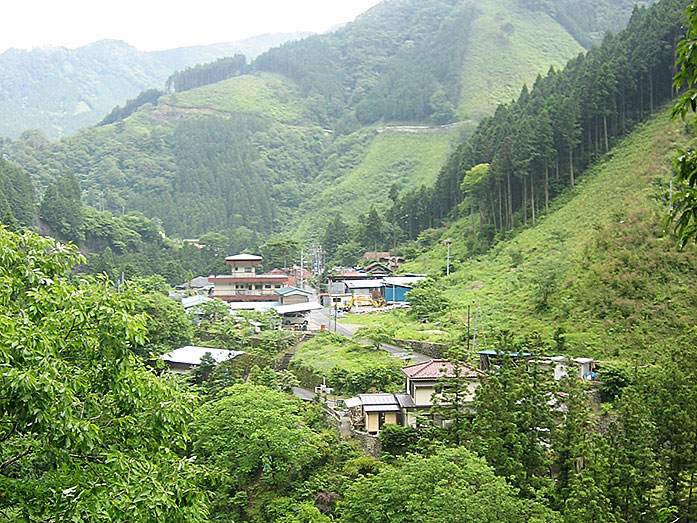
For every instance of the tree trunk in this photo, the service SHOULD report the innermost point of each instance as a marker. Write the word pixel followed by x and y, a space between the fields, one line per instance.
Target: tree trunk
pixel 571 165
pixel 510 199
pixel 500 209
pixel 607 145
pixel 650 91
pixel 623 112
pixel 532 198
pixel 597 137
pixel 546 188
pixel 525 202
pixel 590 144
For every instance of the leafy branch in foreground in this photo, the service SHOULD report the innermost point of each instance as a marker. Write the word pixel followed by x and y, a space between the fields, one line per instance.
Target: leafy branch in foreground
pixel 88 432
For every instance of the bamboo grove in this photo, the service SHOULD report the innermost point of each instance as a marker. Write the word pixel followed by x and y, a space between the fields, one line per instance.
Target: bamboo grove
pixel 538 145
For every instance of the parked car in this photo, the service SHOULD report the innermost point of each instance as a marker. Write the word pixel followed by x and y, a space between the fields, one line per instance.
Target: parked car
pixel 294 318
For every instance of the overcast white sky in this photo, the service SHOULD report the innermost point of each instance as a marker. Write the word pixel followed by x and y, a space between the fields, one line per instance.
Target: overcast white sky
pixel 153 25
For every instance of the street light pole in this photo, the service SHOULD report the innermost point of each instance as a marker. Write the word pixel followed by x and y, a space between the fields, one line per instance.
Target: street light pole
pixel 447 267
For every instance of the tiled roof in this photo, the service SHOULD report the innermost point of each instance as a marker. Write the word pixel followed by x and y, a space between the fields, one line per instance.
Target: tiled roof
pixel 378 399
pixel 372 255
pixel 434 369
pixel 405 401
pixel 290 290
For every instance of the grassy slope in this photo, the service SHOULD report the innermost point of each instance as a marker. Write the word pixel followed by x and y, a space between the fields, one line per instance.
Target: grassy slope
pixel 266 95
pixel 386 158
pixel 497 64
pixel 322 355
pixel 620 287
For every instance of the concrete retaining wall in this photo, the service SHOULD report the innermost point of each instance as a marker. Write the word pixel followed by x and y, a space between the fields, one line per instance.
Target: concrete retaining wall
pixel 427 348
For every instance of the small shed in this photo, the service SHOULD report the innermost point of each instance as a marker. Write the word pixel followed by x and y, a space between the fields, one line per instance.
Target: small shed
pixel 290 295
pixel 397 287
pixel 373 411
pixel 365 287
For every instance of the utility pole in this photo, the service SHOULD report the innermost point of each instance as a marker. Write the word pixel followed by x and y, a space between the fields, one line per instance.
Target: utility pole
pixel 468 328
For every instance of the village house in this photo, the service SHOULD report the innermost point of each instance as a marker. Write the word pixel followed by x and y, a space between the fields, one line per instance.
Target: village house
pixel 377 269
pixel 244 284
pixel 370 412
pixel 385 258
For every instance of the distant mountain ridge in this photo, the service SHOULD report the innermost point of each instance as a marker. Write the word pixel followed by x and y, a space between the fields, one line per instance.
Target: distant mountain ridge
pixel 59 90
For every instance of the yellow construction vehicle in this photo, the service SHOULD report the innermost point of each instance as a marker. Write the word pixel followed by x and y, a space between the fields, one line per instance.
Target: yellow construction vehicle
pixel 364 301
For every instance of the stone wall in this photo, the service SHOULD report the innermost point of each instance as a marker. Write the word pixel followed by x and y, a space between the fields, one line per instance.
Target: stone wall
pixel 427 348
pixel 367 443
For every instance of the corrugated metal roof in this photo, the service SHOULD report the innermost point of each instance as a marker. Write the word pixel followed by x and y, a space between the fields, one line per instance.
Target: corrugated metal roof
pixel 298 307
pixel 405 401
pixel 191 355
pixel 381 408
pixel 352 402
pixel 291 290
pixel 243 257
pixel 402 281
pixel 364 284
pixel 193 301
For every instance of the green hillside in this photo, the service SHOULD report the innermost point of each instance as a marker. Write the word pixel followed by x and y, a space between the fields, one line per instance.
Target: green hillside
pixel 507 46
pixel 266 95
pixel 352 182
pixel 597 272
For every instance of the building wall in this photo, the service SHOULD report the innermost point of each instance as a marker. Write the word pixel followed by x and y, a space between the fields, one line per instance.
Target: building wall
pixel 248 289
pixel 396 293
pixel 423 393
pixel 372 421
pixel 294 298
pixel 243 271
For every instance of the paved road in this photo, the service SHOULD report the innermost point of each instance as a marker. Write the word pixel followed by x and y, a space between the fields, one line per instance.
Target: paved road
pixel 321 317
pixel 303 393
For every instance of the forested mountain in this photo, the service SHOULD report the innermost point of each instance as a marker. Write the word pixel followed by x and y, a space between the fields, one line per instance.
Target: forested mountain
pixel 60 90
pixel 532 148
pixel 260 151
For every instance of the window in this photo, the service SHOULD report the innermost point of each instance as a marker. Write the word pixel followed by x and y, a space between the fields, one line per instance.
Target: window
pixel 267 286
pixel 247 269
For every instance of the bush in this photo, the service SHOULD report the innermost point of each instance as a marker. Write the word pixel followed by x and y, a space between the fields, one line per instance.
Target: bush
pixel 613 379
pixel 396 439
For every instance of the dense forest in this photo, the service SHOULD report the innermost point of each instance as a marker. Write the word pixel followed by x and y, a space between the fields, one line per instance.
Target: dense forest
pixel 16 196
